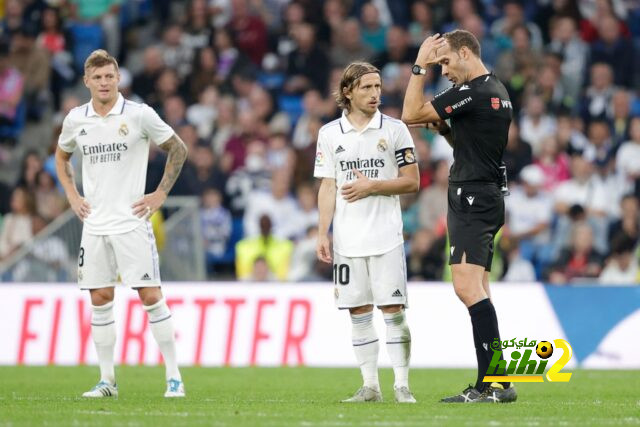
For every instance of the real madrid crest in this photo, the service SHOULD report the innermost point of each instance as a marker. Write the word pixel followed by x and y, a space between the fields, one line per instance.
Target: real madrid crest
pixel 382 145
pixel 408 156
pixel 124 130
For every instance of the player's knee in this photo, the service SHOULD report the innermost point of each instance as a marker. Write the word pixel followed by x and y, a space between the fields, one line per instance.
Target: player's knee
pixel 469 295
pixel 361 310
pixel 149 296
pixel 102 296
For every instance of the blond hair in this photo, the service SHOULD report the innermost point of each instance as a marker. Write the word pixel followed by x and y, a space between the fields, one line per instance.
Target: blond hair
pixel 99 58
pixel 351 79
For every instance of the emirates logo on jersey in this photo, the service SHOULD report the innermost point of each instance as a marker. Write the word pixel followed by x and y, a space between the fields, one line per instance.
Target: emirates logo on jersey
pixel 495 103
pixel 124 130
pixel 448 109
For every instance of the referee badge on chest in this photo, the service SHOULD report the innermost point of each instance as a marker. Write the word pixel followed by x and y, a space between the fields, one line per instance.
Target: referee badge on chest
pixel 124 130
pixel 382 145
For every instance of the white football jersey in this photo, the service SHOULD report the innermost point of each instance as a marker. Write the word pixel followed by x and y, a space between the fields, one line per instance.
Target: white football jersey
pixel 115 153
pixel 373 225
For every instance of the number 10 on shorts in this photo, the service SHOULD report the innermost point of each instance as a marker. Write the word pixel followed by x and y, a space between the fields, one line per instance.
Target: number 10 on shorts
pixel 341 274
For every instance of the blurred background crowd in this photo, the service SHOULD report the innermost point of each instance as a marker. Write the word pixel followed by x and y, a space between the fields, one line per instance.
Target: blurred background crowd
pixel 248 83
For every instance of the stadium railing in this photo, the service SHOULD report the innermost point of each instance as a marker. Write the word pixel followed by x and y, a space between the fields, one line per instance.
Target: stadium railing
pixel 51 255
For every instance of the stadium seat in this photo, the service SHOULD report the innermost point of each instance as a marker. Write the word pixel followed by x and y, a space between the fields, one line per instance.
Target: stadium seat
pixel 86 37
pixel 292 105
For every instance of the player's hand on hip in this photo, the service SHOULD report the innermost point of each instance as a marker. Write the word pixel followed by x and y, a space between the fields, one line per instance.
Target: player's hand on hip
pixel 323 249
pixel 358 189
pixel 80 207
pixel 150 203
pixel 427 55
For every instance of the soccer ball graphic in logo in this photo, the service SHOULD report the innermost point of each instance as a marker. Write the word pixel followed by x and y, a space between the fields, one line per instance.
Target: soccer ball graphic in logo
pixel 544 349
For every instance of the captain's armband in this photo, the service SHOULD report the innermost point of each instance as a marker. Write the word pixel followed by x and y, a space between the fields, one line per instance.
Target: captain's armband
pixel 405 157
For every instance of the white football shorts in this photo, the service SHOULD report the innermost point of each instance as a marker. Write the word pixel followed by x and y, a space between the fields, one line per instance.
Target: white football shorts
pixel 131 257
pixel 379 279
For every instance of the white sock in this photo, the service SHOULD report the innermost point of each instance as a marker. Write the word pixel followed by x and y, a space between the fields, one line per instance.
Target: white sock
pixel 398 346
pixel 162 328
pixel 365 346
pixel 103 332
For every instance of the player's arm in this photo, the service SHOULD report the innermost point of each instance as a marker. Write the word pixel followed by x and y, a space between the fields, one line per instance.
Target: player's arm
pixel 176 155
pixel 64 170
pixel 326 208
pixel 408 181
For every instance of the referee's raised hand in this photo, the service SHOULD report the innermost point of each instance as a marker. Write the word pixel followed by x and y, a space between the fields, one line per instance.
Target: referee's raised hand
pixel 427 55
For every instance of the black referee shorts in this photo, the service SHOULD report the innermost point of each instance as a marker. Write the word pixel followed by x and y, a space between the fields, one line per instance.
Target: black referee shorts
pixel 475 215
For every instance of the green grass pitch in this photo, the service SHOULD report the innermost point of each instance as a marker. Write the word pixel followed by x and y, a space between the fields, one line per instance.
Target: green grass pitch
pixel 304 397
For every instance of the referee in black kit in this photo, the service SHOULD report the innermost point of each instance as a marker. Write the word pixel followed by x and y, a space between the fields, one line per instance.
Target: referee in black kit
pixel 479 112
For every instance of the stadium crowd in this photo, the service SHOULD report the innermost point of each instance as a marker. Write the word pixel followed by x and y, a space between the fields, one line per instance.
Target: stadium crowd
pixel 248 83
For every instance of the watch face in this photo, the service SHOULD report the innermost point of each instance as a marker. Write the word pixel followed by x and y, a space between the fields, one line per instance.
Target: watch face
pixel 416 69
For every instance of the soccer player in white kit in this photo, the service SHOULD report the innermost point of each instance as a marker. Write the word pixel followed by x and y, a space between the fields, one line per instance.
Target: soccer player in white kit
pixel 366 159
pixel 113 135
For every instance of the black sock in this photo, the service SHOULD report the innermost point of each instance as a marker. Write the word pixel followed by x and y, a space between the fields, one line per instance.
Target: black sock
pixel 485 325
pixel 480 357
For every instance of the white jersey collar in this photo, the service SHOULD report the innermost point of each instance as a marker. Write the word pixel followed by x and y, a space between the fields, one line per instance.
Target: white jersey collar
pixel 117 108
pixel 374 123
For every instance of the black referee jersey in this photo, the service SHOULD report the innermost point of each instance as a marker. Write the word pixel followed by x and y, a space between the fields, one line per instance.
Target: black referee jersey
pixel 480 111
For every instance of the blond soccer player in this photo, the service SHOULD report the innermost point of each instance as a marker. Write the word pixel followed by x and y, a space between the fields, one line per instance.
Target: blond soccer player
pixel 113 136
pixel 365 160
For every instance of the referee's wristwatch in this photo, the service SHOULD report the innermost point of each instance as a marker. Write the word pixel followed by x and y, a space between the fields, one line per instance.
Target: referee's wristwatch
pixel 418 70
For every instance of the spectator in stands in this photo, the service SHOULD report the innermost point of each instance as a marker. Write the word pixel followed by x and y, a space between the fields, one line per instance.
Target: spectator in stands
pixel 536 124
pixel 622 266
pixel 308 65
pixel 224 125
pixel 16 225
pixel 425 260
pixel 432 201
pixel 33 63
pixel 261 272
pixel 596 103
pixel 600 147
pixel 312 109
pixel 517 153
pixel 176 54
pixel 204 113
pixel 529 213
pixel 207 172
pixel 278 204
pixel 566 41
pixel 628 226
pixel 11 88
pixel 204 73
pixel 621 117
pixel 583 190
pixel 230 60
pixel 306 216
pixel 253 176
pixel 628 159
pixel 512 18
pixel 578 262
pixel 613 49
pixel 31 166
pixel 174 111
pixel 421 25
pixel 106 12
pixel 398 49
pixel 280 155
pixel 303 259
pixel 215 221
pixel 49 202
pixel 348 46
pixel 517 66
pixel 249 129
pixel 460 10
pixel 277 252
pixel 197 31
pixel 373 31
pixel 553 162
pixel 518 268
pixel 167 86
pixel 56 42
pixel 13 18
pixel 488 48
pixel 249 31
pixel 145 82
